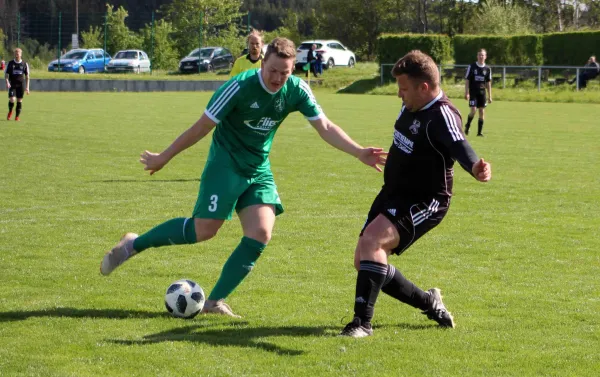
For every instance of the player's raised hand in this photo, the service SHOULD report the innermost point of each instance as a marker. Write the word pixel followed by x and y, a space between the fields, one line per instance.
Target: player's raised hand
pixel 482 171
pixel 152 161
pixel 373 157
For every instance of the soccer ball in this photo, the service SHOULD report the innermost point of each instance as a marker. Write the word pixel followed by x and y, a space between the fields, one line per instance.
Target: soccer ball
pixel 184 299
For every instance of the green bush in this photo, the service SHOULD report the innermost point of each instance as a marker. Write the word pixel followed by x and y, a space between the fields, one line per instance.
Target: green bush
pixel 501 50
pixel 570 48
pixel 391 47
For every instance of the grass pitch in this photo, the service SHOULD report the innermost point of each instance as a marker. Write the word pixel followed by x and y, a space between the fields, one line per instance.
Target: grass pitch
pixel 517 258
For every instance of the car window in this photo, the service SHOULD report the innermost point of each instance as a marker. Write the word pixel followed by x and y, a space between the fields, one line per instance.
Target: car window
pixel 106 55
pixel 74 55
pixel 126 55
pixel 99 55
pixel 203 53
pixel 307 46
pixel 143 56
pixel 225 52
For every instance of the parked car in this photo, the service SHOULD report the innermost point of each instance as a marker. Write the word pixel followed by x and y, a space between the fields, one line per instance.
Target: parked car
pixel 334 53
pixel 208 58
pixel 129 61
pixel 81 61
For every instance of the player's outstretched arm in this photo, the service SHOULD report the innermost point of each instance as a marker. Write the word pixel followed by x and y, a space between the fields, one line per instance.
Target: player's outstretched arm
pixel 337 138
pixel 482 171
pixel 153 162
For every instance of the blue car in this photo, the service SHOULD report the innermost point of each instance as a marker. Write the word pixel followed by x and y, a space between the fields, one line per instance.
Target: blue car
pixel 81 61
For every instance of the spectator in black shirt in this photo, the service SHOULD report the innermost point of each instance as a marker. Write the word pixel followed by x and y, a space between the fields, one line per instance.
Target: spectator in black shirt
pixel 590 72
pixel 17 82
pixel 416 192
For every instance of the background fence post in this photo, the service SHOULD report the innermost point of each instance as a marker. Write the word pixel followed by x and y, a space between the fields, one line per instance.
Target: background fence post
pixel 105 28
pixel 152 44
pixel 503 77
pixel 577 78
pixel 539 79
pixel 59 39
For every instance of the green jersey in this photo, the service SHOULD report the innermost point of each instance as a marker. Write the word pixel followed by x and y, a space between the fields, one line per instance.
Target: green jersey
pixel 248 115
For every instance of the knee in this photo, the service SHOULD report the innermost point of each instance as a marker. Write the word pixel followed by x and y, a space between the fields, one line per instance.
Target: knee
pixel 206 230
pixel 261 235
pixel 368 244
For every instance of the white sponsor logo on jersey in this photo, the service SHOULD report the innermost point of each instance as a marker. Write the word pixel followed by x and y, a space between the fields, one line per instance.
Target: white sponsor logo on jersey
pixel 403 143
pixel 263 126
pixel 255 106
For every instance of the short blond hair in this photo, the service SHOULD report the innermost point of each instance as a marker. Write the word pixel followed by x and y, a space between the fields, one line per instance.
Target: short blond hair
pixel 18 49
pixel 281 47
pixel 419 67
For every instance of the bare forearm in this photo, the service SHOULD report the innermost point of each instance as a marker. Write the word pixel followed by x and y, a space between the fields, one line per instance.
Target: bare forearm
pixel 489 89
pixel 190 137
pixel 337 138
pixel 466 87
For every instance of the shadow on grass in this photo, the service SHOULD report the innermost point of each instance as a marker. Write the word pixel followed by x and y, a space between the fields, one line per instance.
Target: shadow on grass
pixel 146 180
pixel 238 336
pixel 80 313
pixel 360 86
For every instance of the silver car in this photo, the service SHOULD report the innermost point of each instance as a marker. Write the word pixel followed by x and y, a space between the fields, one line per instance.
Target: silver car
pixel 129 61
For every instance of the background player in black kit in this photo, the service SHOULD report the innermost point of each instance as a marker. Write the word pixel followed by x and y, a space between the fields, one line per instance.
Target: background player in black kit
pixel 478 80
pixel 416 192
pixel 17 82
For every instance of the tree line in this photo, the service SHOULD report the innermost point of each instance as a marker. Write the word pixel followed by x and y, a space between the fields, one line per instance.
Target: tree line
pixel 181 25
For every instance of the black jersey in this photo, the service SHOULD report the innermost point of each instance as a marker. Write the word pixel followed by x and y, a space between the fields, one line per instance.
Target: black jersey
pixel 426 143
pixel 16 72
pixel 478 76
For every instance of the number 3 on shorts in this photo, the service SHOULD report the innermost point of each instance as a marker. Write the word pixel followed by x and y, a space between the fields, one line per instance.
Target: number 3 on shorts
pixel 213 203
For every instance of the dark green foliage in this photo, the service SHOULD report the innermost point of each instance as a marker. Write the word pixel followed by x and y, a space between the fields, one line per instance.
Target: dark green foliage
pixel 508 50
pixel 391 47
pixel 570 48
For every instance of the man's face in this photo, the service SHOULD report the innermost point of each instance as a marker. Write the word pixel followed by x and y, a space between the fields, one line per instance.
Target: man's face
pixel 254 45
pixel 410 92
pixel 18 54
pixel 276 71
pixel 481 56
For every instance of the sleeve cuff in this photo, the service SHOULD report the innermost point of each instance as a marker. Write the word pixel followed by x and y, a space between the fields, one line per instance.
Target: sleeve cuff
pixel 212 117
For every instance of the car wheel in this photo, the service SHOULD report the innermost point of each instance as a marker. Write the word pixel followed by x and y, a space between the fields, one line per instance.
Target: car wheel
pixel 351 63
pixel 330 63
pixel 81 69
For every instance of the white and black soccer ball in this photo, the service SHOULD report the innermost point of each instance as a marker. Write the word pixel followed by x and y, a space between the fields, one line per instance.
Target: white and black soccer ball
pixel 184 299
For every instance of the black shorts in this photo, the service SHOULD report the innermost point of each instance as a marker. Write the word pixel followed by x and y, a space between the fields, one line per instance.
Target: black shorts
pixel 477 100
pixel 16 91
pixel 412 218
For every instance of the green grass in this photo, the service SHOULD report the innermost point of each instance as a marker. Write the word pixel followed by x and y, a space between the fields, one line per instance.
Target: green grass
pixel 517 258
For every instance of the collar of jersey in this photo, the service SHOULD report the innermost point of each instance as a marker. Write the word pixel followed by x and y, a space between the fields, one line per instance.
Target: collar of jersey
pixel 480 66
pixel 262 83
pixel 260 57
pixel 15 60
pixel 437 98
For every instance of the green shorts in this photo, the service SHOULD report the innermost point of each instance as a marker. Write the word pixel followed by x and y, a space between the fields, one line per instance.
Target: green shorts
pixel 222 190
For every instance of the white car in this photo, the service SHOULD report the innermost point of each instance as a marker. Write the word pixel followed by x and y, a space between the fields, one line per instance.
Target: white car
pixel 334 53
pixel 129 61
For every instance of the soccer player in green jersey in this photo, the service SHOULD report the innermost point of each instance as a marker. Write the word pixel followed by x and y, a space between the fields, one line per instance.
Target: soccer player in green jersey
pixel 245 114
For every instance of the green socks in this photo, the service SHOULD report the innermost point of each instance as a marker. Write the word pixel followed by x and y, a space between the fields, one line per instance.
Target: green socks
pixel 237 267
pixel 179 231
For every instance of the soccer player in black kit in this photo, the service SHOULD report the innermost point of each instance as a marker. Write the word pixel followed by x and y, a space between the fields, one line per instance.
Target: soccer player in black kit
pixel 17 82
pixel 478 79
pixel 416 193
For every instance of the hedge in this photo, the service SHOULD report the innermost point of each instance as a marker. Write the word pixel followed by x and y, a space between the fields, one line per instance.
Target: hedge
pixel 501 50
pixel 392 47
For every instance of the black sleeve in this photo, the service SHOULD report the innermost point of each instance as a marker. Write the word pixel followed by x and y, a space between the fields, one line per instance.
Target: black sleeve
pixel 448 132
pixel 469 73
pixel 488 77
